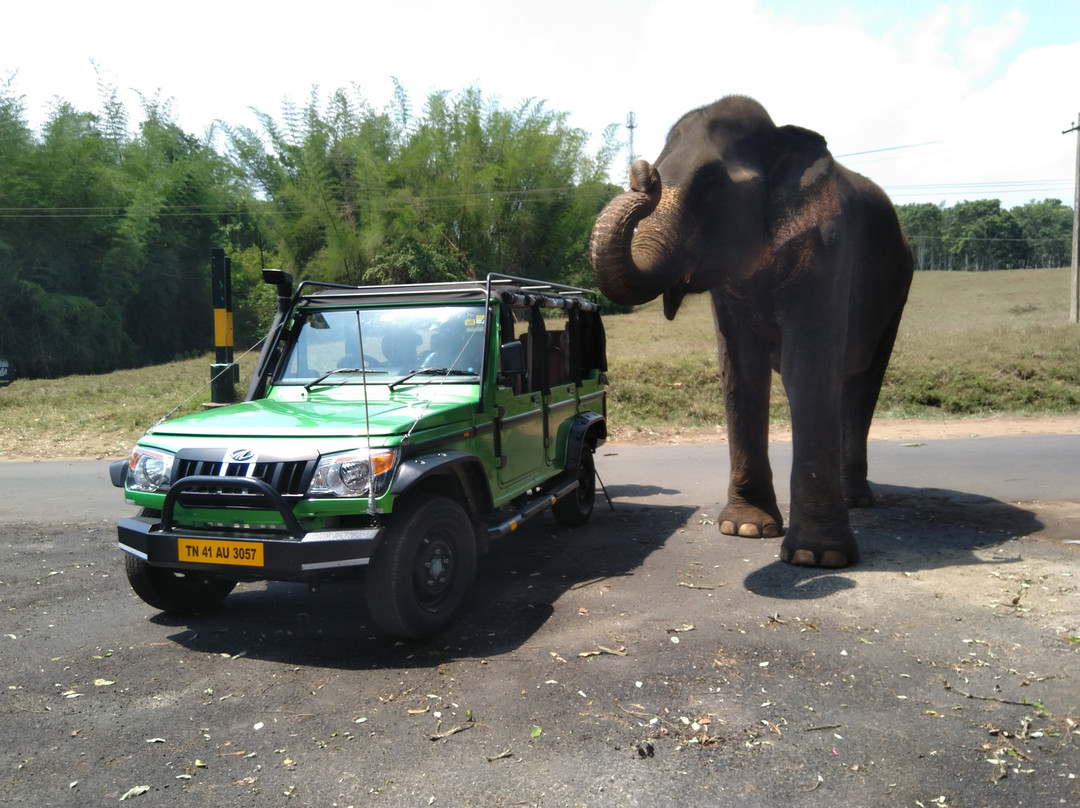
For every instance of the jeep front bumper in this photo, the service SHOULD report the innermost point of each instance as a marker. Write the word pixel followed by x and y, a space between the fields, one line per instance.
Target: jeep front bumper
pixel 248 557
pixel 289 554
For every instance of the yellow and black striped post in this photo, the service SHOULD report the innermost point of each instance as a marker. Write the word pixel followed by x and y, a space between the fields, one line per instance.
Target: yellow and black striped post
pixel 223 373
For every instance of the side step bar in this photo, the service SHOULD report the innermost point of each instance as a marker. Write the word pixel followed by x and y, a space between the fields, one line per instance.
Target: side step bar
pixel 532 508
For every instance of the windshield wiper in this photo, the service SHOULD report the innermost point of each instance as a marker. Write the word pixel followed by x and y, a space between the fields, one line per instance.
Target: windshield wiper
pixel 431 372
pixel 330 373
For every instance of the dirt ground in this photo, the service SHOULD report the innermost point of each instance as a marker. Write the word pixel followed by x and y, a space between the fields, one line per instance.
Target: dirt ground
pixel 643 660
pixel 881 429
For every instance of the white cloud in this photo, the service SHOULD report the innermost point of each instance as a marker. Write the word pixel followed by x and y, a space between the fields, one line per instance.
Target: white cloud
pixel 937 75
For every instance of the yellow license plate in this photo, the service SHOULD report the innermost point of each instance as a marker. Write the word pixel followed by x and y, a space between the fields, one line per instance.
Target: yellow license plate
pixel 209 551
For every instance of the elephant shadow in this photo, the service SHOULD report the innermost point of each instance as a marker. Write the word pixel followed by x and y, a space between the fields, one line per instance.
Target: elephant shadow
pixel 908 529
pixel 517 586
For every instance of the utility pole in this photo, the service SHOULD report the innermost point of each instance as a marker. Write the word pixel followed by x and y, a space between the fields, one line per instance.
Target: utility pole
pixel 631 124
pixel 1074 299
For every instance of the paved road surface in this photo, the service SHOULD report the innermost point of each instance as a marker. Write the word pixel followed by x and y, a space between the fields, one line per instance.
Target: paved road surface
pixel 642 660
pixel 1020 468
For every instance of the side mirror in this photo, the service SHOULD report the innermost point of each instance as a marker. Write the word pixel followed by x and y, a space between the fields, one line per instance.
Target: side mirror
pixel 512 358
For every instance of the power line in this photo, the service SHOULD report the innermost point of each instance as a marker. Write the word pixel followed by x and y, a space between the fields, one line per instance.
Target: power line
pixel 889 148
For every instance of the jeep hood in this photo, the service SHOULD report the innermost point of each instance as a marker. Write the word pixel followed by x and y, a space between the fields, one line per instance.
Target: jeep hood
pixel 268 418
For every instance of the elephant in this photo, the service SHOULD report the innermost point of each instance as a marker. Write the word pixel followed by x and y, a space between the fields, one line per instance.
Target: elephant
pixel 808 272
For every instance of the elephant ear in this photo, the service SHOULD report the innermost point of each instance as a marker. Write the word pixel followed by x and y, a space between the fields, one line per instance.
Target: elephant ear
pixel 803 194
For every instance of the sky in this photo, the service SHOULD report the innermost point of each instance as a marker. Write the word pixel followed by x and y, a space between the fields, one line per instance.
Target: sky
pixel 937 102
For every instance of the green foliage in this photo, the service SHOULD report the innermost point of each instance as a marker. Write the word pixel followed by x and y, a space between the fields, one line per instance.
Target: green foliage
pixel 106 239
pixel 980 235
pixel 104 252
pixel 464 189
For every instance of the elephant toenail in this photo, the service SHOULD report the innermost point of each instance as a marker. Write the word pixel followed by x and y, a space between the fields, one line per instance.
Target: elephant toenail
pixel 750 531
pixel 804 558
pixel 834 559
pixel 727 527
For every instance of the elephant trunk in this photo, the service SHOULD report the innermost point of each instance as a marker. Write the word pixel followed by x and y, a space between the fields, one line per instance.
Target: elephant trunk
pixel 633 240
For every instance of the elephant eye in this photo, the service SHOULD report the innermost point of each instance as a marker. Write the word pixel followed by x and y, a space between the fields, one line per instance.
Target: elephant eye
pixel 708 181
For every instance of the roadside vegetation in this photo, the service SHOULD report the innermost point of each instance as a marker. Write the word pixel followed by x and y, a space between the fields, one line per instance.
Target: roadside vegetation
pixel 971 344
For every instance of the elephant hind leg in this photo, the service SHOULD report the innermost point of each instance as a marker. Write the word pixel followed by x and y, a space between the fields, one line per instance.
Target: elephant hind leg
pixel 860 396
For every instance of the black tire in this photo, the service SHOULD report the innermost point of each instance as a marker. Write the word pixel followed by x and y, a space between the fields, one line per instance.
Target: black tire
pixel 423 569
pixel 173 591
pixel 576 507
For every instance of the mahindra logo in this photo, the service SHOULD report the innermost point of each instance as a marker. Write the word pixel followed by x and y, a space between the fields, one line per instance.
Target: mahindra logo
pixel 241 456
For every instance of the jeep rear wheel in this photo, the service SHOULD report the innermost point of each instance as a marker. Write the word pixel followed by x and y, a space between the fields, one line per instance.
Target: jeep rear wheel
pixel 576 507
pixel 173 591
pixel 422 571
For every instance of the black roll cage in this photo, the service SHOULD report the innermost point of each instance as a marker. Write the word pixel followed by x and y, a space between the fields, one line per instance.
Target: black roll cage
pixel 510 291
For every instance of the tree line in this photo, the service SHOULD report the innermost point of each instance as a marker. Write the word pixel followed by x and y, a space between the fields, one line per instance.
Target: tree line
pixel 106 232
pixel 981 235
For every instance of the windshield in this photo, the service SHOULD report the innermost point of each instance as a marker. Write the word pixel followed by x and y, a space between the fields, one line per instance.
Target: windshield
pixel 429 343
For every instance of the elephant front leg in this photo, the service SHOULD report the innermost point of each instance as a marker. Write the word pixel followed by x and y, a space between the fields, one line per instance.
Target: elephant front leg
pixel 745 372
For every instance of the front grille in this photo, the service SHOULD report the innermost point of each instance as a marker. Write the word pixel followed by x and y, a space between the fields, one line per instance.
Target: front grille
pixel 289 478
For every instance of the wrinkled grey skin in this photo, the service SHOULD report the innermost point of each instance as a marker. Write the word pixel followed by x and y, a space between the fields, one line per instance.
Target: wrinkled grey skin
pixel 808 271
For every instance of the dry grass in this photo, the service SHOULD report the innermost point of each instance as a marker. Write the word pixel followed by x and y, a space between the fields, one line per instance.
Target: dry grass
pixel 970 344
pixel 99 416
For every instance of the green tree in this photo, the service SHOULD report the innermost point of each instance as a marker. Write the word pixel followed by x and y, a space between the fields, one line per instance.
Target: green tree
pixel 106 236
pixel 61 196
pixel 981 236
pixel 922 223
pixel 106 239
pixel 1047 229
pixel 181 195
pixel 464 189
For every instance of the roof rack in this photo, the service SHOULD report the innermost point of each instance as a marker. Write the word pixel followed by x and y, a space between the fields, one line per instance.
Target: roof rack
pixel 509 289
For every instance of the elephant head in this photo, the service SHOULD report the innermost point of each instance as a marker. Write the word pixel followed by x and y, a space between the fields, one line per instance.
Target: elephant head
pixel 728 195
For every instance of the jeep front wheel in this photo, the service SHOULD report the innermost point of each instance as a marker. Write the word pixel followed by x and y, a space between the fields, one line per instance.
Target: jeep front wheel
pixel 422 571
pixel 175 592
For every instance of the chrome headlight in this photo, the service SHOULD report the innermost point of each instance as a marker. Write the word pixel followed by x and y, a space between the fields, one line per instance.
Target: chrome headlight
pixel 353 474
pixel 149 470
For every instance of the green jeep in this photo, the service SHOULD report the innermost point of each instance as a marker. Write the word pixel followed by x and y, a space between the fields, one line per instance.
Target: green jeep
pixel 388 431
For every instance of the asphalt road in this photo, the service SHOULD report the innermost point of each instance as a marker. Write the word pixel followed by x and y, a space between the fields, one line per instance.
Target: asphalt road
pixel 643 660
pixel 1018 468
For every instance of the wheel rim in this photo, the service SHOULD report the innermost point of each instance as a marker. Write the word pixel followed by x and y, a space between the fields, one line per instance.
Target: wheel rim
pixel 433 572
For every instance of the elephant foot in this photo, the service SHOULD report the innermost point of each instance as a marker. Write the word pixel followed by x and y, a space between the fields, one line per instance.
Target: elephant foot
pixel 828 551
pixel 858 495
pixel 750 522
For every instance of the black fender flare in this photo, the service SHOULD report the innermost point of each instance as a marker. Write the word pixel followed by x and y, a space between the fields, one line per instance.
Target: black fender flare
pixel 465 468
pixel 586 429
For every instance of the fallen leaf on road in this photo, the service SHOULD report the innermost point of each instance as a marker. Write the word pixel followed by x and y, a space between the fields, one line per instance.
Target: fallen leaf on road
pixel 134 792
